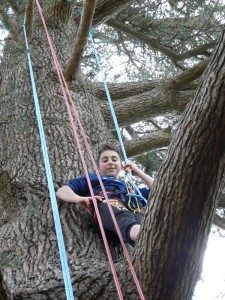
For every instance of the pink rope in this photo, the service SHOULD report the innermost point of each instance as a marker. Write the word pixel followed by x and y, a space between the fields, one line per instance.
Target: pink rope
pixel 66 92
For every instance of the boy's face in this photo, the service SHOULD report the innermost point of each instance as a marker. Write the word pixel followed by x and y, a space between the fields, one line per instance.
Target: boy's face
pixel 109 163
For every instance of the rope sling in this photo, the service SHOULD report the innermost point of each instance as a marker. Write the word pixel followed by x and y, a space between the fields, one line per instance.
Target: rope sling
pixel 66 95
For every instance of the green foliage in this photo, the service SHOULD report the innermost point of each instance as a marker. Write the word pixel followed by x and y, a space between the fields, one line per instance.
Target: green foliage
pixel 179 25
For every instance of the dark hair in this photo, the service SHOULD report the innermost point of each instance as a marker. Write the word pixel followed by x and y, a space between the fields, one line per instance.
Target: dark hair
pixel 107 147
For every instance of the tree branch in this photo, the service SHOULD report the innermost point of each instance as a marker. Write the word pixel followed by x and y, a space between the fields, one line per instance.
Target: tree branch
pixel 58 11
pixel 186 192
pixel 122 90
pixel 29 17
pixel 157 102
pixel 156 45
pixel 148 142
pixel 106 8
pixel 188 76
pixel 128 89
pixel 163 99
pixel 81 39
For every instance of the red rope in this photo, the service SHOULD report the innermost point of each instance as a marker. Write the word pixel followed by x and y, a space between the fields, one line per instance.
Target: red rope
pixel 66 93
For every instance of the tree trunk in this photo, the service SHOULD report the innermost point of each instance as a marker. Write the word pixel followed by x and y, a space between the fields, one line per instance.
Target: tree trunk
pixel 169 250
pixel 178 220
pixel 28 240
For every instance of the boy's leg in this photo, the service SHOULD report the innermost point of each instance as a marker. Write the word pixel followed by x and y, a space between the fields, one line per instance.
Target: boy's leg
pixel 128 222
pixel 134 231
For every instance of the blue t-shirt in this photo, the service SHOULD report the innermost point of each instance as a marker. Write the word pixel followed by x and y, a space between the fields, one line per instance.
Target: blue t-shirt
pixel 115 187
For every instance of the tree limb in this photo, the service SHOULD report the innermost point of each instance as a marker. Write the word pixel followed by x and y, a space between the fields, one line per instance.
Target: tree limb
pixel 156 45
pixel 106 8
pixel 186 192
pixel 57 11
pixel 163 99
pixel 121 90
pixel 128 89
pixel 188 76
pixel 146 105
pixel 148 142
pixel 29 17
pixel 81 39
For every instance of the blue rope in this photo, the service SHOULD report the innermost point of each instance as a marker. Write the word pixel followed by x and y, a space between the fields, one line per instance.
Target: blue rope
pixel 138 195
pixel 61 246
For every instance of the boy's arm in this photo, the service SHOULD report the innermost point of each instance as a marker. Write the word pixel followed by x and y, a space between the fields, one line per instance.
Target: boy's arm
pixel 65 193
pixel 137 172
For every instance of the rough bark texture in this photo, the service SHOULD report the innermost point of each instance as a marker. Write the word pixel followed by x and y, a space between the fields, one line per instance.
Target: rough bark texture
pixel 152 141
pixel 169 251
pixel 27 233
pixel 177 222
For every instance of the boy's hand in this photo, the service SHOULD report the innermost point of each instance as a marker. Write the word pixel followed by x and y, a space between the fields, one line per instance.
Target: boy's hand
pixel 86 201
pixel 131 167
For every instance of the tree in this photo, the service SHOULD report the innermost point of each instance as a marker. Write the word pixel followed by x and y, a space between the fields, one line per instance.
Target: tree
pixel 168 254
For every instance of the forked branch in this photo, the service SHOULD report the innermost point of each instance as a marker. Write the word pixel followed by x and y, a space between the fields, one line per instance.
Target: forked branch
pixel 81 39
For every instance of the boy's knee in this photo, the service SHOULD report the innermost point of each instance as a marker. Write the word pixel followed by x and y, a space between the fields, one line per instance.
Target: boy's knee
pixel 133 232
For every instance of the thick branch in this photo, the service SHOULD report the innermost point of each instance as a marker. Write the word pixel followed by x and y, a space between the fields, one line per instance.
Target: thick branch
pixel 128 89
pixel 163 99
pixel 57 12
pixel 156 45
pixel 188 76
pixel 29 17
pixel 178 219
pixel 148 142
pixel 122 90
pixel 81 39
pixel 105 9
pixel 159 101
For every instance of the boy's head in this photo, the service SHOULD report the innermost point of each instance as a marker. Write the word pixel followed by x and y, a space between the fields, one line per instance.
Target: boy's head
pixel 109 161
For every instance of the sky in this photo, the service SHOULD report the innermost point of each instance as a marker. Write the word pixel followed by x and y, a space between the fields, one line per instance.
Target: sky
pixel 212 283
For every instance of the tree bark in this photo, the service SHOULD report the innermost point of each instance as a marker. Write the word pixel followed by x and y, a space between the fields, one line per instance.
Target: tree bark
pixel 105 9
pixel 169 250
pixel 160 101
pixel 187 189
pixel 148 142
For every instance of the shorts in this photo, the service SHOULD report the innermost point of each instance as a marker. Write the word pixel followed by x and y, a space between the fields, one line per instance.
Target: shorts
pixel 125 219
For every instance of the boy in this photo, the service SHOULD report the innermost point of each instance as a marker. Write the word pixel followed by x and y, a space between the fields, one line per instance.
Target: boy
pixel 109 166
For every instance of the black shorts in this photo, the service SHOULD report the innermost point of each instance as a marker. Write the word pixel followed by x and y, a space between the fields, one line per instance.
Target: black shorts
pixel 125 219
